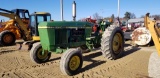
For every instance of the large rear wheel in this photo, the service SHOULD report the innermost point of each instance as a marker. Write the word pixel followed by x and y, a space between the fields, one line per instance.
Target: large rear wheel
pixel 7 38
pixel 112 42
pixel 38 55
pixel 71 62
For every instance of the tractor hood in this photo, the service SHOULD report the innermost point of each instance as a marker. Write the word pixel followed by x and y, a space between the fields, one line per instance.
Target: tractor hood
pixel 63 34
pixel 65 24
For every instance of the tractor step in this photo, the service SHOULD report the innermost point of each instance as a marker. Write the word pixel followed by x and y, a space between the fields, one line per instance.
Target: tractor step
pixel 21 46
pixel 25 46
pixel 90 38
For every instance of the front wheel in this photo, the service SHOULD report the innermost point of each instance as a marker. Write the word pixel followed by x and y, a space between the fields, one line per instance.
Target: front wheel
pixel 7 38
pixel 38 55
pixel 71 62
pixel 112 42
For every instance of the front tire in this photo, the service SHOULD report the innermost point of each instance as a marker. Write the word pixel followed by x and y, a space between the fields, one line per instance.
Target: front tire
pixel 37 54
pixel 7 38
pixel 71 62
pixel 112 42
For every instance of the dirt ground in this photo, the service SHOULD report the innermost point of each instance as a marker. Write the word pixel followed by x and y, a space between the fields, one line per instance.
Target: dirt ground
pixel 133 64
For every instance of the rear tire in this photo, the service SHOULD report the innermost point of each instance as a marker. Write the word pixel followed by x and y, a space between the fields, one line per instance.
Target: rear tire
pixel 7 38
pixel 112 42
pixel 71 62
pixel 36 54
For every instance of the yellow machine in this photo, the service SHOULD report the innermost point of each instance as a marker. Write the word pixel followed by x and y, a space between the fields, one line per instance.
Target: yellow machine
pixel 21 25
pixel 154 29
pixel 16 27
pixel 35 19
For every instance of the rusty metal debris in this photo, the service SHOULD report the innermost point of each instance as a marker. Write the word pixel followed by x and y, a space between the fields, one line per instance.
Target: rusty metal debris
pixel 141 36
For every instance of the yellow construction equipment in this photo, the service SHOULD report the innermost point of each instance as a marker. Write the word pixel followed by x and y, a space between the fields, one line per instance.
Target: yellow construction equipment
pixel 21 25
pixel 35 19
pixel 154 29
pixel 16 27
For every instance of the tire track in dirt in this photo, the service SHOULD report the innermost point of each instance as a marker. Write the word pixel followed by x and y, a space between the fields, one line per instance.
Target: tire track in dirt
pixel 41 70
pixel 27 73
pixel 131 65
pixel 6 50
pixel 9 75
pixel 17 61
pixel 103 70
pixel 26 67
pixel 13 62
pixel 115 68
pixel 22 67
pixel 24 74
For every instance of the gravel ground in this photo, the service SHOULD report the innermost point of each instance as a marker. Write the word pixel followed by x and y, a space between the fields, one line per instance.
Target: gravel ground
pixel 133 64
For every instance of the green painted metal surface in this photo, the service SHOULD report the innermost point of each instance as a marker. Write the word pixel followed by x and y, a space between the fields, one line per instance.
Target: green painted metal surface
pixel 65 24
pixel 57 36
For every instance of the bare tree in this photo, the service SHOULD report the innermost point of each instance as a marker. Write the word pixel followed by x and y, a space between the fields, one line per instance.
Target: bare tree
pixel 157 17
pixel 129 15
pixel 142 16
pixel 112 16
pixel 132 16
pixel 106 18
pixel 82 19
pixel 97 16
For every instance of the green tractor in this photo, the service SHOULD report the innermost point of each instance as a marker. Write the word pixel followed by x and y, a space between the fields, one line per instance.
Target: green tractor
pixel 72 37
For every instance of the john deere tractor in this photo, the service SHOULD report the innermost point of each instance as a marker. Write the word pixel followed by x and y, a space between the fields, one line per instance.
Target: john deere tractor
pixel 71 37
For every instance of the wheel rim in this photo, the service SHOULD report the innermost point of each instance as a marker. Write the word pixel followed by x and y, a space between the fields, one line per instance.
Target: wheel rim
pixel 74 63
pixel 42 54
pixel 7 38
pixel 117 43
